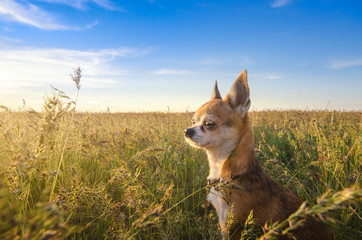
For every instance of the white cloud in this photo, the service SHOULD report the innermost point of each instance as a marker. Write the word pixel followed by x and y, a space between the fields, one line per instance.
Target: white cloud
pixel 5 41
pixel 30 14
pixel 91 25
pixel 231 58
pixel 268 76
pixel 209 61
pixel 279 3
pixel 171 72
pixel 273 76
pixel 28 68
pixel 83 4
pixel 107 5
pixel 247 60
pixel 338 64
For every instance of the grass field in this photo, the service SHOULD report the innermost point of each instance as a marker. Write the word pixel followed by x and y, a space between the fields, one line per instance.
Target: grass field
pixel 67 175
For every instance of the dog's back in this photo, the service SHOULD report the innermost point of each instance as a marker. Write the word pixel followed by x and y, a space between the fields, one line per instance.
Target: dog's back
pixel 269 201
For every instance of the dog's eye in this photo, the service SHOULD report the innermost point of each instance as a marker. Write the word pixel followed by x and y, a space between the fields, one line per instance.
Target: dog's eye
pixel 193 121
pixel 209 124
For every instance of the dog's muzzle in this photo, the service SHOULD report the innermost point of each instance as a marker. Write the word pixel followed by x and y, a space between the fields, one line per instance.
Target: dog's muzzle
pixel 189 132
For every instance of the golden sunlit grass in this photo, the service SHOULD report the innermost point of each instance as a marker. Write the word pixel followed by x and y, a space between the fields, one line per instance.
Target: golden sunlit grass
pixel 67 175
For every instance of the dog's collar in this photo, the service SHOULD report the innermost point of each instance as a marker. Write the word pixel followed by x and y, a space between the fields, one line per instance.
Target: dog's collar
pixel 215 181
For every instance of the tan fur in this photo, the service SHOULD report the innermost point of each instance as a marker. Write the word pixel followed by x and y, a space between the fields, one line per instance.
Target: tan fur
pixel 229 144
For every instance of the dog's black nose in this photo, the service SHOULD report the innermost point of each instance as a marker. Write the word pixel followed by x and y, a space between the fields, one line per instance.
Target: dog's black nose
pixel 189 132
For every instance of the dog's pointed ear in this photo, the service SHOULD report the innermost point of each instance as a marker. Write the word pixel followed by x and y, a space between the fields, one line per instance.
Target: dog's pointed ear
pixel 216 94
pixel 239 97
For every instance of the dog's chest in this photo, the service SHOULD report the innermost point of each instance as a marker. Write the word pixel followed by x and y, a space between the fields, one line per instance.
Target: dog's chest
pixel 215 169
pixel 216 162
pixel 216 198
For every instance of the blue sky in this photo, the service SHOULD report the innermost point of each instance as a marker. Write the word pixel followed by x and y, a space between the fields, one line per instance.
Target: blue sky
pixel 155 55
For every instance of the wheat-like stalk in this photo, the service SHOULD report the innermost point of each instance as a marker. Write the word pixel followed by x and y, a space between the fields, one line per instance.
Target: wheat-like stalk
pixel 76 78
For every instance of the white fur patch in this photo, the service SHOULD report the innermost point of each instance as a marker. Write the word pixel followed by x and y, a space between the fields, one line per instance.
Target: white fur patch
pixel 215 198
pixel 217 156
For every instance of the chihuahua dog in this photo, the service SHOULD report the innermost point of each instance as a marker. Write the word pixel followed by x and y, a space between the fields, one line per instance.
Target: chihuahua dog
pixel 223 128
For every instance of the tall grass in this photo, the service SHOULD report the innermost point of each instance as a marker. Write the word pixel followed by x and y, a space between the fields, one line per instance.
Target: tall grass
pixel 67 175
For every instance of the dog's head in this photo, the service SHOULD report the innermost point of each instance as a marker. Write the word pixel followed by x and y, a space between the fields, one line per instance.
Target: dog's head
pixel 217 123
